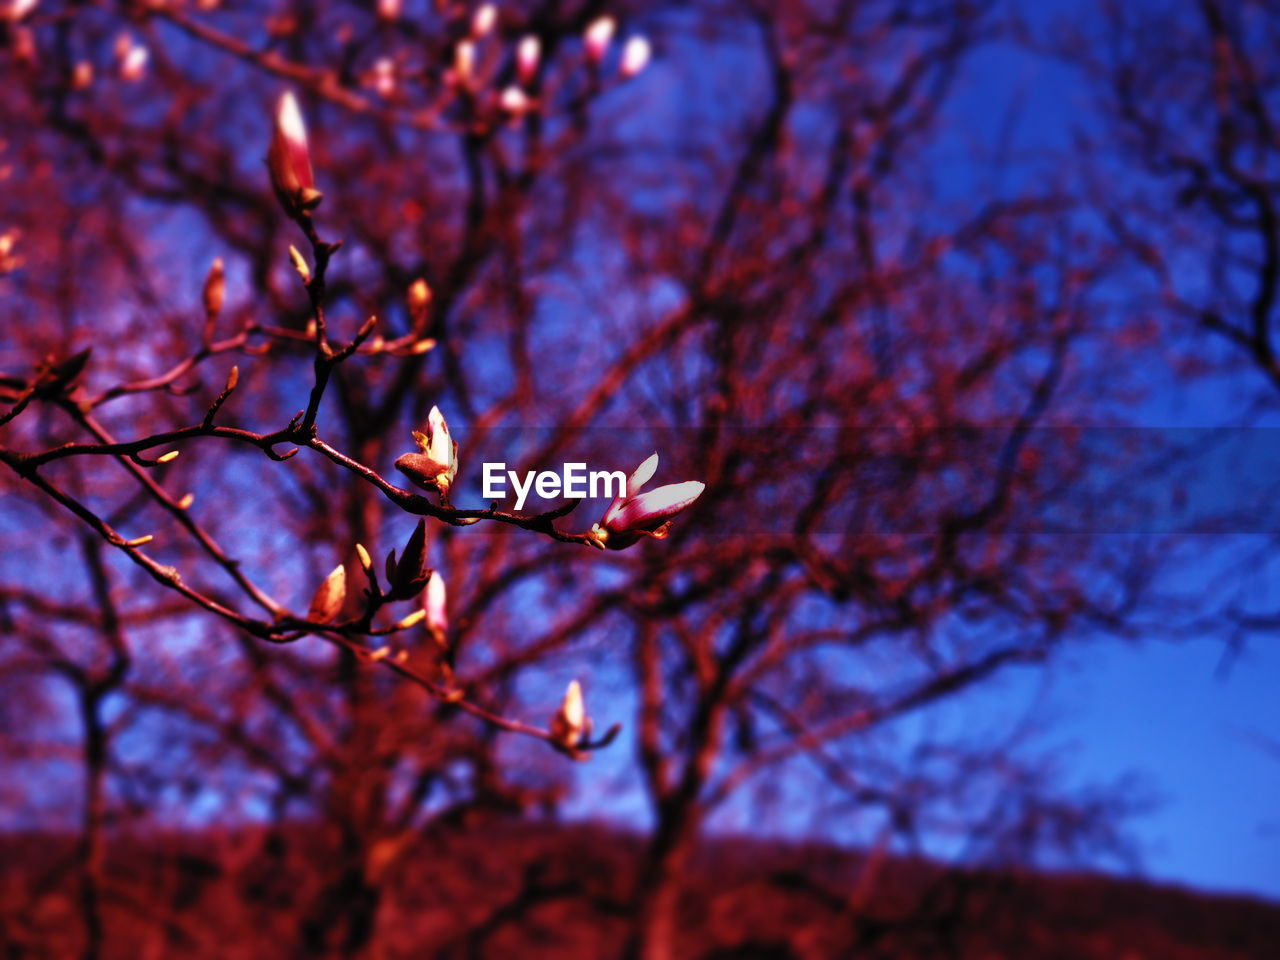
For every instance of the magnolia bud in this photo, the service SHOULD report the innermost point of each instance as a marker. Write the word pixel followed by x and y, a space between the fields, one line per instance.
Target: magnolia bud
pixel 569 724
pixel 366 561
pixel 598 36
pixel 528 54
pixel 215 289
pixel 464 60
pixel 514 101
pixel 82 76
pixel 434 608
pixel 134 64
pixel 408 576
pixel 419 298
pixel 17 9
pixel 384 77
pixel 327 603
pixel 484 19
pixel 300 264
pixel 419 294
pixel 289 160
pixel 635 56
pixel 412 620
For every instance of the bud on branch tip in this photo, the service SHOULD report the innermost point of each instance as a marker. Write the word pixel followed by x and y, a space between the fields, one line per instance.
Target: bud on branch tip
pixel 300 264
pixel 289 160
pixel 570 724
pixel 528 54
pixel 328 600
pixel 215 288
pixel 635 56
pixel 598 36
pixel 434 608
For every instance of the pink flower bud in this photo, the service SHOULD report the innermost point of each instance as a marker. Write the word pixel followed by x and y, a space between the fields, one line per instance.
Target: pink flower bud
pixel 598 36
pixel 464 61
pixel 215 289
pixel 289 159
pixel 389 9
pixel 133 66
pixel 437 616
pixel 528 55
pixel 384 77
pixel 484 20
pixel 634 514
pixel 635 56
pixel 514 100
pixel 329 598
pixel 569 724
pixel 17 9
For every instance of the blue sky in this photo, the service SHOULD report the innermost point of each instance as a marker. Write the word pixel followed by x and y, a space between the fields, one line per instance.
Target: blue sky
pixel 1177 714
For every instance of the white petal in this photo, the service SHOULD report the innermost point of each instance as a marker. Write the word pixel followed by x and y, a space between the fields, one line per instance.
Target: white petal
pixel 650 509
pixel 572 708
pixel 289 118
pixel 438 431
pixel 642 475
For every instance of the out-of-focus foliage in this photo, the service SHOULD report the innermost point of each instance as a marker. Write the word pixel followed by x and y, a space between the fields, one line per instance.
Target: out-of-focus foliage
pixel 737 254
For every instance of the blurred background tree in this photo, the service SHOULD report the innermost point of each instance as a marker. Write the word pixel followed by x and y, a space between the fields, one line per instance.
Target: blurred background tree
pixel 747 255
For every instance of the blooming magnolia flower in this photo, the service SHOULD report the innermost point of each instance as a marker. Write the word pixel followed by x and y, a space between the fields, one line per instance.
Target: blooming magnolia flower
pixel 289 159
pixel 633 514
pixel 528 54
pixel 570 724
pixel 437 616
pixel 635 56
pixel 598 36
pixel 436 462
